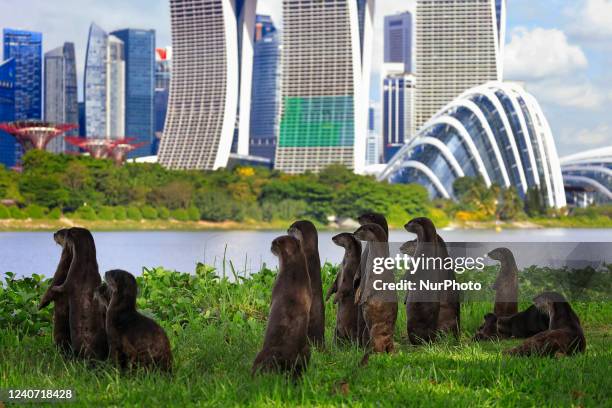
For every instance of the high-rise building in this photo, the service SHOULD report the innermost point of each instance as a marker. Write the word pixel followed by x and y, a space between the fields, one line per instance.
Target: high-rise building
pixel 163 74
pixel 210 93
pixel 8 145
pixel 104 85
pixel 398 40
pixel 139 51
pixel 265 95
pixel 115 88
pixel 459 45
pixel 326 58
pixel 398 112
pixel 82 121
pixel 372 140
pixel 61 103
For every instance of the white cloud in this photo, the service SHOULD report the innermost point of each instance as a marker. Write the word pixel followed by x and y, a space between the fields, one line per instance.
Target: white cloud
pixel 580 94
pixel 541 53
pixel 592 19
pixel 596 136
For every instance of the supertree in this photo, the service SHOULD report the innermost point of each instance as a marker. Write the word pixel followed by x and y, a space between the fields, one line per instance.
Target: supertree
pixel 97 147
pixel 35 134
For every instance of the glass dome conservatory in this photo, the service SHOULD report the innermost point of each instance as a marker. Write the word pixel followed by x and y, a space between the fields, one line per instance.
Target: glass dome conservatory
pixel 588 171
pixel 497 131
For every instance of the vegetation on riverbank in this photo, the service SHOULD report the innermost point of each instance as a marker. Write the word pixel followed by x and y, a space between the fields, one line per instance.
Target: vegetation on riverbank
pixel 216 327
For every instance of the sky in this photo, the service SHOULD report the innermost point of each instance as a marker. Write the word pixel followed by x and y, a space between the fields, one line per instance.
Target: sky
pixel 560 50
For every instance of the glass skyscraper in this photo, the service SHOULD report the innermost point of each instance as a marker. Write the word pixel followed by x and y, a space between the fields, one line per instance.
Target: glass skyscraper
pixel 266 88
pixel 61 103
pixel 398 112
pixel 95 82
pixel 8 146
pixel 398 40
pixel 163 74
pixel 139 52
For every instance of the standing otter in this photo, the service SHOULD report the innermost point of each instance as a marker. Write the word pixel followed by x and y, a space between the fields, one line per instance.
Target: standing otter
pixel 379 305
pixel 523 324
pixel 87 334
pixel 286 345
pixel 61 310
pixel 564 335
pixel 134 339
pixel 346 316
pixel 506 284
pixel 306 233
pixel 430 313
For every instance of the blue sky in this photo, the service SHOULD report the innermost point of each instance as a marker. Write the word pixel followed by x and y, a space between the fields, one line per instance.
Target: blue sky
pixel 561 50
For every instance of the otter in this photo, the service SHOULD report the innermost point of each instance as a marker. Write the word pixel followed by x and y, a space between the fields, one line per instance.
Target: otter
pixel 564 335
pixel 430 313
pixel 61 310
pixel 347 315
pixel 506 284
pixel 488 330
pixel 306 233
pixel 286 346
pixel 523 324
pixel 379 306
pixel 87 333
pixel 134 339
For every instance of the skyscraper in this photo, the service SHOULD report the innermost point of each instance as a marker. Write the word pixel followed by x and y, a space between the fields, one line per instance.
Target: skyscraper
pixel 398 112
pixel 139 51
pixel 459 45
pixel 325 84
pixel 8 145
pixel 115 88
pixel 372 140
pixel 61 103
pixel 265 93
pixel 95 82
pixel 398 40
pixel 163 74
pixel 210 93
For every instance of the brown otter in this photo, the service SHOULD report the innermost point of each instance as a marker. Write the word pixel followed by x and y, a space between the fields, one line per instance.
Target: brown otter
pixel 306 233
pixel 564 335
pixel 61 310
pixel 379 303
pixel 523 324
pixel 506 284
pixel 347 314
pixel 134 339
pixel 286 347
pixel 488 330
pixel 87 333
pixel 430 313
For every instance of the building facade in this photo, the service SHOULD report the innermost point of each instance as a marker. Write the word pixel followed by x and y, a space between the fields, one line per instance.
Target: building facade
pixel 496 131
pixel 61 99
pixel 265 95
pixel 398 40
pixel 95 82
pixel 587 177
pixel 326 63
pixel 210 92
pixel 372 144
pixel 398 110
pixel 8 145
pixel 459 45
pixel 163 74
pixel 115 88
pixel 139 56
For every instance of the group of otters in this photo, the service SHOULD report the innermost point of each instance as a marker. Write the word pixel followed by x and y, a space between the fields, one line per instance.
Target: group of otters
pixel 98 320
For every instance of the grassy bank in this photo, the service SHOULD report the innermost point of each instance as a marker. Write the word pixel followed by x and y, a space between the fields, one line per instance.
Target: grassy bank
pixel 216 327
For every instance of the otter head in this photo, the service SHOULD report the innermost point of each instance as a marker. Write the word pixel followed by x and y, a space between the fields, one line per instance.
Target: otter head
pixel 121 283
pixel 374 218
pixel 344 239
pixel 500 254
pixel 370 232
pixel 545 302
pixel 488 329
pixel 305 232
pixel 424 229
pixel 286 245
pixel 60 237
pixel 79 240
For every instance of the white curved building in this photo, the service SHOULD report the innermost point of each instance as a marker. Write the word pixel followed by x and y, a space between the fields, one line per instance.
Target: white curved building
pixel 212 42
pixel 496 131
pixel 326 63
pixel 589 171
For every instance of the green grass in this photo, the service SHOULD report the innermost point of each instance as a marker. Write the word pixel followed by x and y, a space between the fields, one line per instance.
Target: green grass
pixel 216 328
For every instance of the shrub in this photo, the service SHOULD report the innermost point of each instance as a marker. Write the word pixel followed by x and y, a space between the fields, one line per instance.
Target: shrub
pixel 120 213
pixel 55 214
pixel 163 213
pixel 149 213
pixel 35 212
pixel 193 213
pixel 86 213
pixel 106 213
pixel 180 215
pixel 17 214
pixel 133 213
pixel 4 212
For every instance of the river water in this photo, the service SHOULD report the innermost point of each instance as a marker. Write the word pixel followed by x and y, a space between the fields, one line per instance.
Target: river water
pixel 26 253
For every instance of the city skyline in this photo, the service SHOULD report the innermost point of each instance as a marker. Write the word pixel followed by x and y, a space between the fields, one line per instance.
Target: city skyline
pixel 570 76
